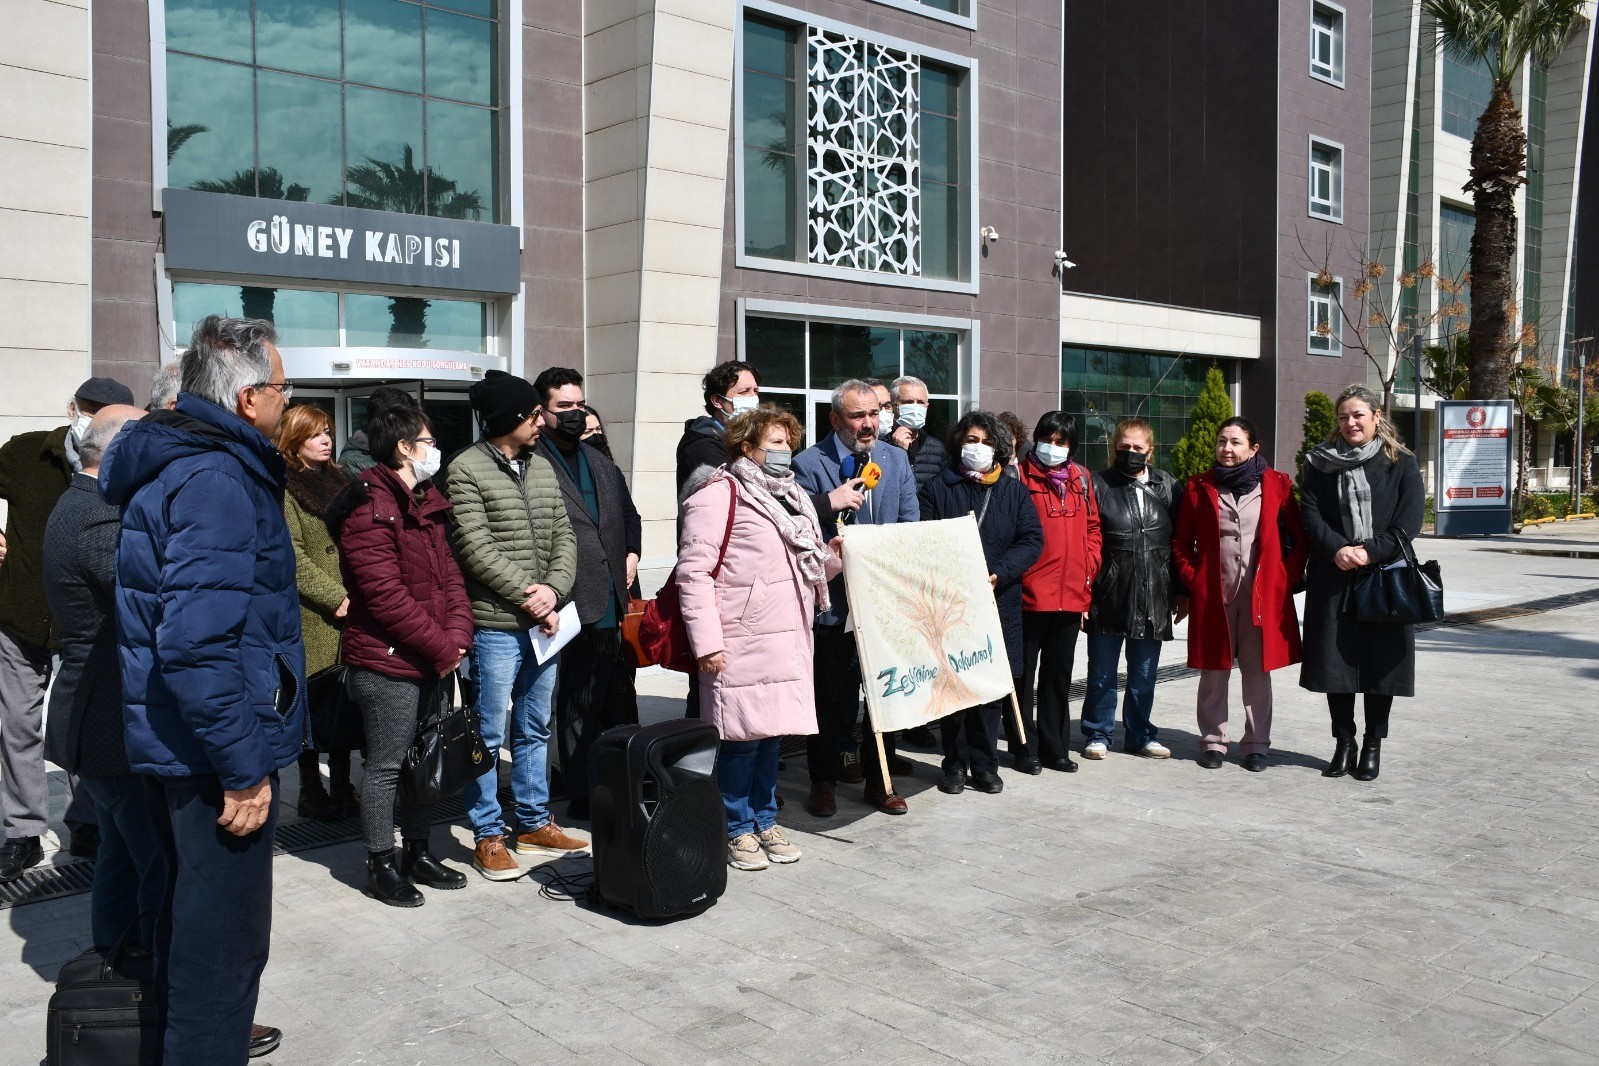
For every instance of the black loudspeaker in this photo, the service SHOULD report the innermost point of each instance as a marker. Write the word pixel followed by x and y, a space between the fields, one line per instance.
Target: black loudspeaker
pixel 659 827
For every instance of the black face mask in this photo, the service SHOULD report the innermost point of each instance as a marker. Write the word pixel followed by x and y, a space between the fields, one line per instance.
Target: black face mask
pixel 598 441
pixel 1130 462
pixel 569 425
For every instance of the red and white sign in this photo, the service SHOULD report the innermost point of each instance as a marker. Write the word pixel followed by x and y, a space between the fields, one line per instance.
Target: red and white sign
pixel 1475 466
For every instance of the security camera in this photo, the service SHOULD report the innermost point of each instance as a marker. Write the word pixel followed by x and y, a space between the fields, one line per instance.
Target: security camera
pixel 1063 262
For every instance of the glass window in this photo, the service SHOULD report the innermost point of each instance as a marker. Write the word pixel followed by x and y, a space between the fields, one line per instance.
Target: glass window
pixel 297 35
pixel 771 181
pixel 412 322
pixel 842 351
pixel 298 133
pixel 1326 181
pixel 1325 321
pixel 383 44
pixel 208 103
pixel 777 346
pixel 1467 87
pixel 1327 42
pixel 1455 227
pixel 324 128
pixel 933 357
pixel 1156 386
pixel 304 319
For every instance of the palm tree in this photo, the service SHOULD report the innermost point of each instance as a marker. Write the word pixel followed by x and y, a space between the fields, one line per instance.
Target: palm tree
pixel 1503 34
pixel 268 182
pixel 384 186
pixel 178 136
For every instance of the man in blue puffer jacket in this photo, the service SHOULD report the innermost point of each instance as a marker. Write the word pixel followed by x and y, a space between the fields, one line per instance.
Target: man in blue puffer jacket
pixel 213 669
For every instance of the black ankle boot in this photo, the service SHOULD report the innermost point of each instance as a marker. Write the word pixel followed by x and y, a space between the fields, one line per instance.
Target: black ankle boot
pixel 1343 760
pixel 1370 759
pixel 424 868
pixel 386 884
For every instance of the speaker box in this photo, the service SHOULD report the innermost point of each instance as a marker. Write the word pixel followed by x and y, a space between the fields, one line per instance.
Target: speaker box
pixel 659 827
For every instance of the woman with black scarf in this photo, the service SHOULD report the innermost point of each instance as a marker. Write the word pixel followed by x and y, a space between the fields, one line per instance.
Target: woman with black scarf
pixel 305 437
pixel 1362 493
pixel 1240 550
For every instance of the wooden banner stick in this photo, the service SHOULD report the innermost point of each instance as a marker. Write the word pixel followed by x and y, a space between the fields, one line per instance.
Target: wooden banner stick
pixel 1016 707
pixel 882 760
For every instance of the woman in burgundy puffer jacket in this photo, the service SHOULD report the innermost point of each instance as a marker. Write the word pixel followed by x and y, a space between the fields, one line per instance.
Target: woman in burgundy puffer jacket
pixel 409 626
pixel 1056 591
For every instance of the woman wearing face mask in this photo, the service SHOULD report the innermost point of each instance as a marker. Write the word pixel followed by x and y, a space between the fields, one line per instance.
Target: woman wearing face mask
pixel 1240 551
pixel 1363 492
pixel 1055 592
pixel 748 609
pixel 1136 593
pixel 305 437
pixel 409 626
pixel 975 483
pixel 594 431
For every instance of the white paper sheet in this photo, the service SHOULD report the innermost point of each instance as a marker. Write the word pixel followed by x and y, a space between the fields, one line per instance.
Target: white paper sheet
pixel 545 646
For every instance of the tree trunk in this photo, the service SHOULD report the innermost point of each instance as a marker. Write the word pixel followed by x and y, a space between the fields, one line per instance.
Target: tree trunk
pixel 1498 159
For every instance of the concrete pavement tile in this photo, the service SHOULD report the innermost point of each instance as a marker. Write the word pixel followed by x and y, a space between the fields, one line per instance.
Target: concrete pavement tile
pixel 1543 978
pixel 1262 1047
pixel 1151 1051
pixel 1120 947
pixel 1517 999
pixel 1454 1029
pixel 1392 971
pixel 1532 1051
pixel 1575 1025
pixel 1486 957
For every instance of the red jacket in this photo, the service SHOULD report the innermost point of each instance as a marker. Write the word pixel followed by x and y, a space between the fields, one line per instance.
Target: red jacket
pixel 1063 577
pixel 409 613
pixel 1196 549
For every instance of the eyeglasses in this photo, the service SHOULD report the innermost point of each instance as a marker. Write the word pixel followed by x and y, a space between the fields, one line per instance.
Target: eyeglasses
pixel 432 442
pixel 285 387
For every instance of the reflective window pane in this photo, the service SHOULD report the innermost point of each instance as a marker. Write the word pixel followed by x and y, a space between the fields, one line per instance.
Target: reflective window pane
pixel 298 35
pixel 768 47
pixel 777 346
pixel 471 7
pixel 941 159
pixel 935 358
pixel 219 28
pixel 768 113
pixel 192 302
pixel 769 208
pixel 383 151
pixel 303 318
pixel 941 231
pixel 209 114
pixel 454 325
pixel 383 44
pixel 450 415
pixel 299 138
pixel 940 90
pixel 462 60
pixel 843 351
pixel 462 176
pixel 941 416
pixel 411 322
pixel 306 319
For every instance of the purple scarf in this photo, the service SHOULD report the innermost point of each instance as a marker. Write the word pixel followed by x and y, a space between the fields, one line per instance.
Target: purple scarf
pixel 1241 479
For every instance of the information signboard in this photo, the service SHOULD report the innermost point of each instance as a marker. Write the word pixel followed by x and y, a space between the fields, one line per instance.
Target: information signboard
pixel 1473 492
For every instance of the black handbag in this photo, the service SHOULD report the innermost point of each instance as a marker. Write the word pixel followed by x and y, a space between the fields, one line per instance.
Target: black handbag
pixel 448 750
pixel 335 716
pixel 104 1011
pixel 1403 593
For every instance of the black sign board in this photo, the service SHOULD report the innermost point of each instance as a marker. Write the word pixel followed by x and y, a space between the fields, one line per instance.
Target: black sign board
pixel 247 236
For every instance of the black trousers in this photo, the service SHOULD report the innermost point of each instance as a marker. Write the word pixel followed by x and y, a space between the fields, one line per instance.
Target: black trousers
pixel 971 737
pixel 215 925
pixel 1342 707
pixel 836 681
pixel 589 699
pixel 1049 649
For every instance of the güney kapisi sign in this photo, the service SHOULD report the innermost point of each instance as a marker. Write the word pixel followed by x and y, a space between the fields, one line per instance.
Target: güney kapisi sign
pixel 246 236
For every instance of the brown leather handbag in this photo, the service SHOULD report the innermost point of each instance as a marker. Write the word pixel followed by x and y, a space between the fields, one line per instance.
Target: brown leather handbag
pixel 633 652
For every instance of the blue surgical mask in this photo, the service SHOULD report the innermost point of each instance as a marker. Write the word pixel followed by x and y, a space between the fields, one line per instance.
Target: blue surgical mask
pixel 913 415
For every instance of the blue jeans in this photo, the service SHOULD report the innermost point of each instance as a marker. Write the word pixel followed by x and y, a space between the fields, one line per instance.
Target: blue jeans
pixel 514 695
pixel 1099 703
pixel 216 925
pixel 746 772
pixel 130 872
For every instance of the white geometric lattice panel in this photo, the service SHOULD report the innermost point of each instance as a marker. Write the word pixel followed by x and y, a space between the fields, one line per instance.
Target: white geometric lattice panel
pixel 862 155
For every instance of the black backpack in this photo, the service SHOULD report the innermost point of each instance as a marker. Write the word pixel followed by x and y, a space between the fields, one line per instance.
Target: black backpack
pixel 104 1011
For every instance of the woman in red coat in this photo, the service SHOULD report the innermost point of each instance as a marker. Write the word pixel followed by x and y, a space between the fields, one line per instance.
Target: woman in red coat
pixel 1055 592
pixel 1240 549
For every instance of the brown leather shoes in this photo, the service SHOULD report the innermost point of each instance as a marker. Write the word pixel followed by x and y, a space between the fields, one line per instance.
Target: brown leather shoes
pixel 822 802
pixel 849 768
pixel 550 840
pixel 494 862
pixel 264 1040
pixel 888 803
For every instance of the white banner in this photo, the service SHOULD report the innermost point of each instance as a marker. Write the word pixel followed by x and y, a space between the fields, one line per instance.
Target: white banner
pixel 926 625
pixel 1476 454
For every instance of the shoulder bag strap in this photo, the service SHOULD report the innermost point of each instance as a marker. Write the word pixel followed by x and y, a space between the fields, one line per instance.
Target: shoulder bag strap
pixel 727 534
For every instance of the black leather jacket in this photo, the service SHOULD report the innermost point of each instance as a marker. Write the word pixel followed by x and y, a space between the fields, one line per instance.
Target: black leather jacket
pixel 1136 582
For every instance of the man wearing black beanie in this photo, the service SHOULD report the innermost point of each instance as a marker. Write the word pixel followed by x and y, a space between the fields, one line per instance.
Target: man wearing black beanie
pixel 519 555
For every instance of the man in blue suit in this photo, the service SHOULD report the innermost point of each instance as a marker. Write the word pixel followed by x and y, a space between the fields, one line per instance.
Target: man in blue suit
pixel 820 469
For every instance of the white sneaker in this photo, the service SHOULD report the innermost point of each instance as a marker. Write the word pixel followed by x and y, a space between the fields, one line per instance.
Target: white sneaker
pixel 778 847
pixel 744 852
pixel 1095 750
pixel 1155 750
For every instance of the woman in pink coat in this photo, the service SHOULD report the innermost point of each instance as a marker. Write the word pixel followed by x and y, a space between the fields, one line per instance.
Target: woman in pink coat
pixel 752 570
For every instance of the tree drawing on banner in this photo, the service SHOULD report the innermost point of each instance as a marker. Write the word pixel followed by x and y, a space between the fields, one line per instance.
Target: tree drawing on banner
pixel 936 612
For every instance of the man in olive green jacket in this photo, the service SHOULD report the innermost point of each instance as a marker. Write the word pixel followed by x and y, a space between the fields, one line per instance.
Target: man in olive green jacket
pixel 519 555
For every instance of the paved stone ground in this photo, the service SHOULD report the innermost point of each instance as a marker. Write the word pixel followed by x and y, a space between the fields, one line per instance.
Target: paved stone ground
pixel 1135 912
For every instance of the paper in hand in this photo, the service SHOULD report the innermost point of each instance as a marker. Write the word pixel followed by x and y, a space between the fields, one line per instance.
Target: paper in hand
pixel 545 646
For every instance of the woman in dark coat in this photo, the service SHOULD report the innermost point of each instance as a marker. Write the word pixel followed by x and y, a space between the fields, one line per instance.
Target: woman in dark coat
pixel 408 628
pixel 1363 493
pixel 974 483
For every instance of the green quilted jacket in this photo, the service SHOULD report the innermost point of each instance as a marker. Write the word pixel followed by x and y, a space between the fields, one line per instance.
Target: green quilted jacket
pixel 316 562
pixel 509 532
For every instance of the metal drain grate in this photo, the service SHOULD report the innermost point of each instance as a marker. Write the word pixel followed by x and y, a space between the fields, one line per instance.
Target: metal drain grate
pixel 54 882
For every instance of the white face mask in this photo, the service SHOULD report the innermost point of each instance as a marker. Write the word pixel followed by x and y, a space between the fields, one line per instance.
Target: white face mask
pixel 80 423
pixel 885 421
pixel 977 457
pixel 913 415
pixel 1051 454
pixel 742 404
pixel 428 465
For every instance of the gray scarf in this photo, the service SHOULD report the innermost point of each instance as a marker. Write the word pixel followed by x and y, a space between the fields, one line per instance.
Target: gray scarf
pixel 1354 491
